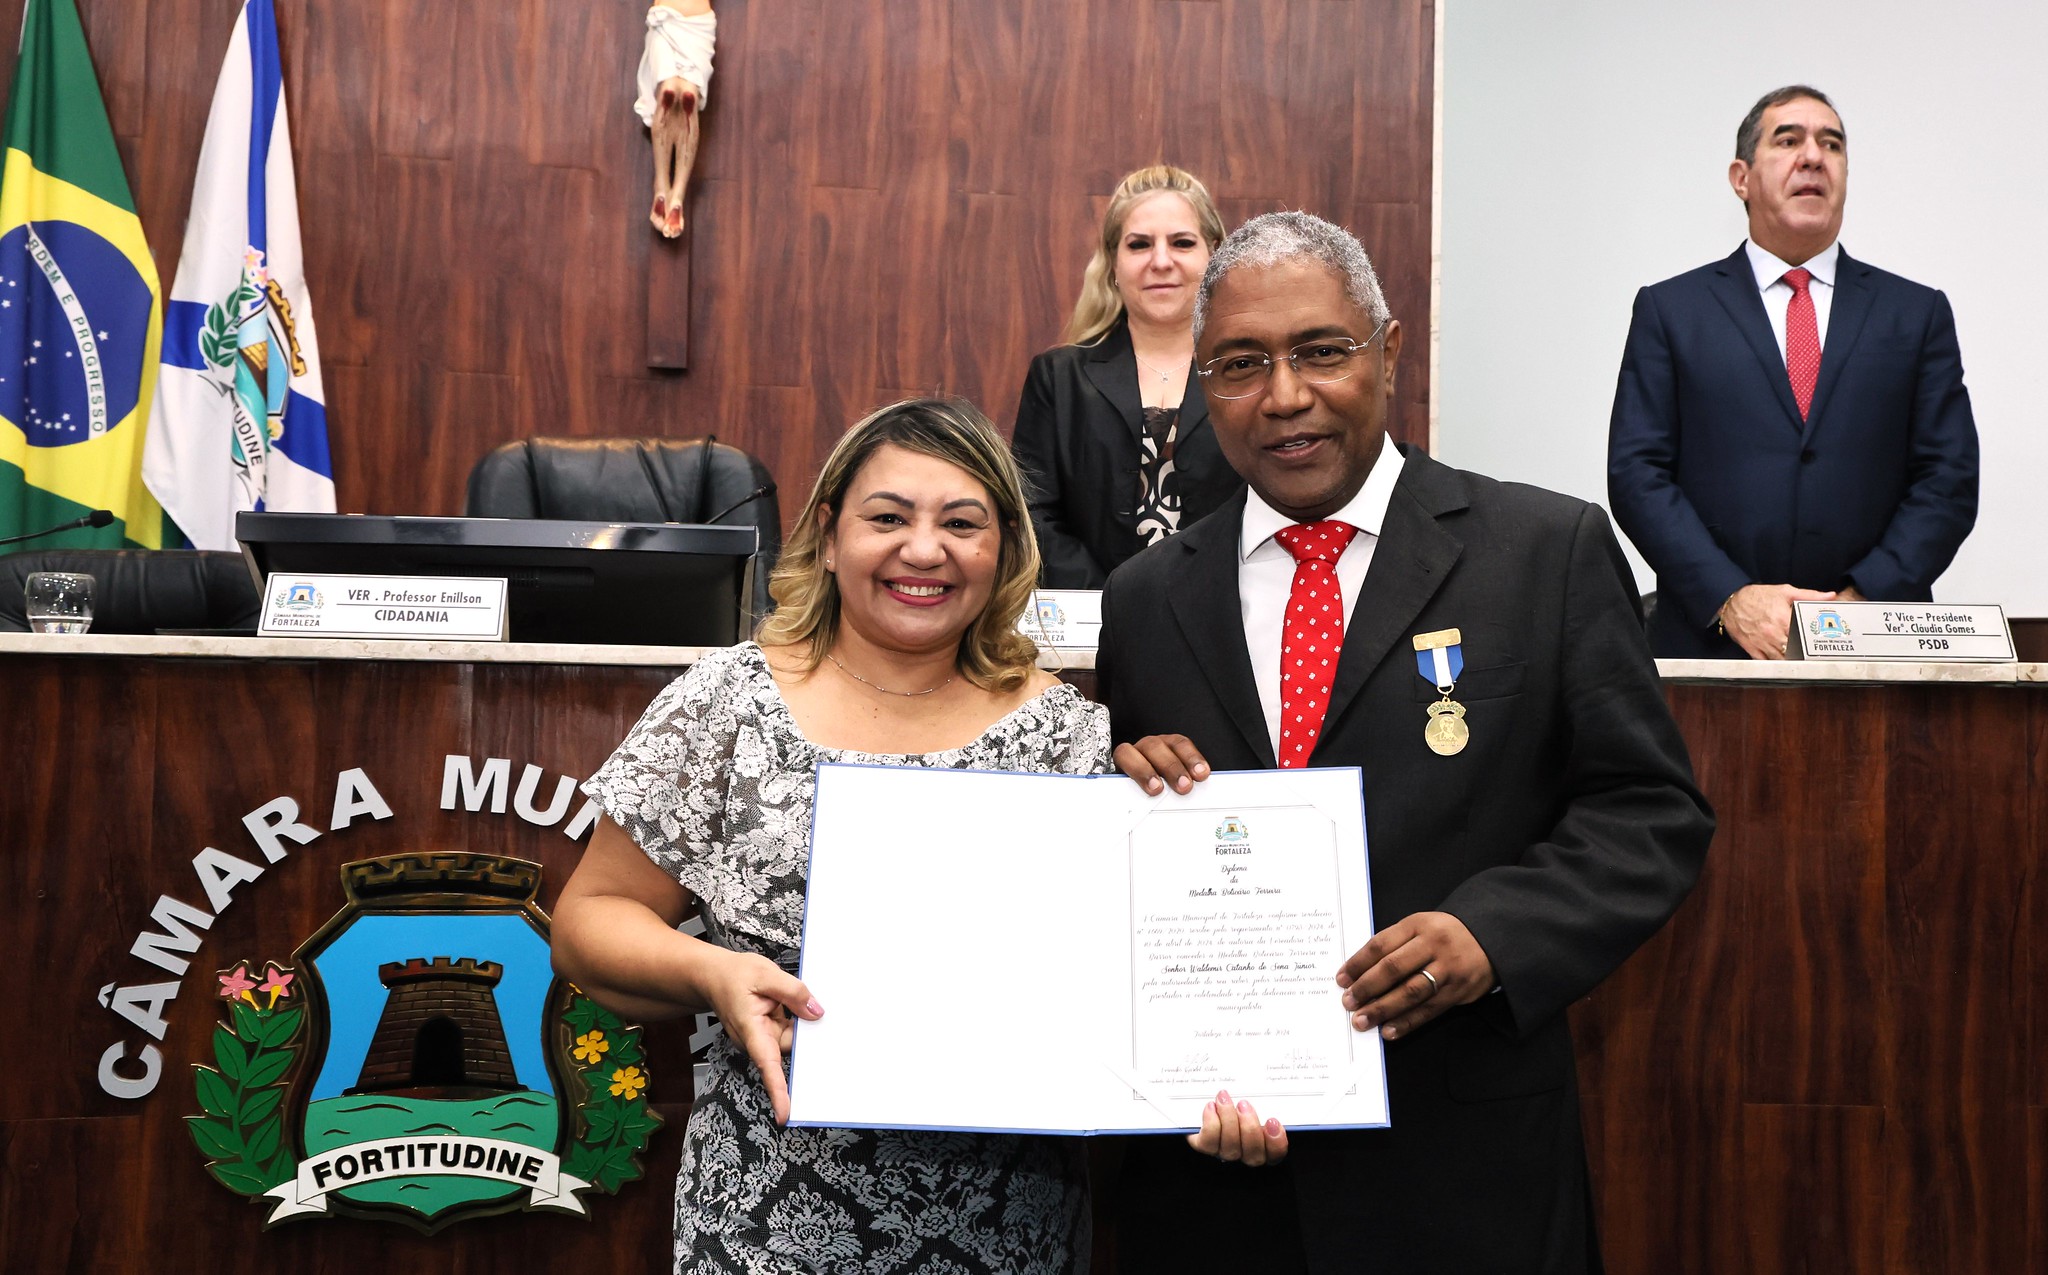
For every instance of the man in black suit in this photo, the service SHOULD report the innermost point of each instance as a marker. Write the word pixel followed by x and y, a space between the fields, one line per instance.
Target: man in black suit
pixel 1510 874
pixel 1789 423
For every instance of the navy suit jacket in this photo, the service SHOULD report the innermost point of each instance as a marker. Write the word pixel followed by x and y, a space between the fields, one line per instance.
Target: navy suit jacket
pixel 1718 482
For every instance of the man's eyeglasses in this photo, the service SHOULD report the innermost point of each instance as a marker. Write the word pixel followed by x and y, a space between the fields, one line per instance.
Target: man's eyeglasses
pixel 1245 373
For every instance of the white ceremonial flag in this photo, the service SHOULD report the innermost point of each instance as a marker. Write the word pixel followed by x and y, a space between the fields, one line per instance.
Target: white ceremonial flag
pixel 240 420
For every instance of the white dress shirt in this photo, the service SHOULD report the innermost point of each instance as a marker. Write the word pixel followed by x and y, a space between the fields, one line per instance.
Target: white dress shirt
pixel 1777 294
pixel 1265 572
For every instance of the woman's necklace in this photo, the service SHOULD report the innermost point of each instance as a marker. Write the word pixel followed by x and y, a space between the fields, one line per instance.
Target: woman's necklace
pixel 883 689
pixel 1164 374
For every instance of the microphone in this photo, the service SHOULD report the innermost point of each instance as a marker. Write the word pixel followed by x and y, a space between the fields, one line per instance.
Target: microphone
pixel 101 518
pixel 766 489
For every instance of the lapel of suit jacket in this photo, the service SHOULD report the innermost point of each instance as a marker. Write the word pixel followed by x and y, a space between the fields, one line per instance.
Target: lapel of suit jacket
pixel 1411 562
pixel 1112 367
pixel 1207 607
pixel 1846 313
pixel 1734 286
pixel 1194 408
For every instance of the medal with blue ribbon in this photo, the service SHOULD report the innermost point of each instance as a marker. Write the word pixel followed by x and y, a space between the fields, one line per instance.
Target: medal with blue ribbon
pixel 1440 659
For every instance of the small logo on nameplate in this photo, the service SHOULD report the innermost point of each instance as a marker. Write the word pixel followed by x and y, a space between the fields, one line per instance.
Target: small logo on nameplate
pixel 299 595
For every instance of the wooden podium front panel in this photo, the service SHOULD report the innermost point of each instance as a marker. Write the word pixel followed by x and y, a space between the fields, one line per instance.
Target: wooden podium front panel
pixel 1827 1060
pixel 120 771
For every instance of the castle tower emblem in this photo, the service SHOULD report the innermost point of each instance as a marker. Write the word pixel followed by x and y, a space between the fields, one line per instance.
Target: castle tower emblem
pixel 441 1033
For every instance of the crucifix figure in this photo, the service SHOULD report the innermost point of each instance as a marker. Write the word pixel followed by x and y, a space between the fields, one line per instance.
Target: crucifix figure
pixel 675 82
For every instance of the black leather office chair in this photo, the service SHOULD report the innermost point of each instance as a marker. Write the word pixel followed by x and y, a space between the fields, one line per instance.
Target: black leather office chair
pixel 632 480
pixel 142 590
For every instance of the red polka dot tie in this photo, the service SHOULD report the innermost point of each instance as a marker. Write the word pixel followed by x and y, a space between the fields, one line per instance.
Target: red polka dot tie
pixel 1802 339
pixel 1312 635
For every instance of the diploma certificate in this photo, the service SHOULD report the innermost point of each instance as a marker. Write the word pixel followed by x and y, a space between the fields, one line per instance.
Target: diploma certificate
pixel 1057 954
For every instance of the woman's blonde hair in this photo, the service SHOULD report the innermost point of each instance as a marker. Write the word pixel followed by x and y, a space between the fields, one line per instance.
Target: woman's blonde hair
pixel 993 654
pixel 1101 305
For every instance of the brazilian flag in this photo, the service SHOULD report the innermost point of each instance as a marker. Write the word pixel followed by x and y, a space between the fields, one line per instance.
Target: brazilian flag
pixel 81 311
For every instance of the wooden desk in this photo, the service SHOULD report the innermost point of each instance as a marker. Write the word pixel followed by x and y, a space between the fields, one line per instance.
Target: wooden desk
pixel 1827 1061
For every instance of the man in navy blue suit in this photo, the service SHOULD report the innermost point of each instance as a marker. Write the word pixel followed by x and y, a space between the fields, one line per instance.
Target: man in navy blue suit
pixel 1790 423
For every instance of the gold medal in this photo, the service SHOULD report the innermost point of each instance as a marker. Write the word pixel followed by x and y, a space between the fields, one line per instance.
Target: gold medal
pixel 1446 733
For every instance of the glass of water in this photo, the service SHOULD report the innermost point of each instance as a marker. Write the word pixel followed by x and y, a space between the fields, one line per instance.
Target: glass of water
pixel 59 602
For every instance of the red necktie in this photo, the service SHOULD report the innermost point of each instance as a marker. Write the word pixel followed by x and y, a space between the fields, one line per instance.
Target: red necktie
pixel 1802 339
pixel 1312 635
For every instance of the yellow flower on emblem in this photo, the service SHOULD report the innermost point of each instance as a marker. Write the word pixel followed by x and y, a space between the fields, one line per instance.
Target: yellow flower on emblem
pixel 627 1083
pixel 591 1047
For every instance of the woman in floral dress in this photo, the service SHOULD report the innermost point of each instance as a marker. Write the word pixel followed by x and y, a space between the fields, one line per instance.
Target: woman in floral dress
pixel 893 642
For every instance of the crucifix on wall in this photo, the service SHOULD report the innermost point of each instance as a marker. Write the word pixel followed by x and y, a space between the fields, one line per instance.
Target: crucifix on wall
pixel 674 84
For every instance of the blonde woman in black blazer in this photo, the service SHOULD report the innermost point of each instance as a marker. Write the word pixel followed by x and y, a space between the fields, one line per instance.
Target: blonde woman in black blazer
pixel 1112 429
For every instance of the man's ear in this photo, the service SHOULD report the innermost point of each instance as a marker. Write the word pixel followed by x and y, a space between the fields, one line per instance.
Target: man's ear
pixel 1738 180
pixel 1390 354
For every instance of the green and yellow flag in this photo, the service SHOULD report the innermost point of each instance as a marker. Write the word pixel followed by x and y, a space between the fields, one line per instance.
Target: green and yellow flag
pixel 81 312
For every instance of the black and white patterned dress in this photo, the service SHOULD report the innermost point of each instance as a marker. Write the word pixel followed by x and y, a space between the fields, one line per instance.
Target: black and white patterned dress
pixel 715 783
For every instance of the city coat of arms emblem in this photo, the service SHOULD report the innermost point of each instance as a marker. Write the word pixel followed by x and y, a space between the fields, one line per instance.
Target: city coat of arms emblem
pixel 417 1061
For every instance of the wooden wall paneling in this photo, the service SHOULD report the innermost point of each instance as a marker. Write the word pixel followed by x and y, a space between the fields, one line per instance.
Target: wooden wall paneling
pixel 1128 87
pixel 717 301
pixel 187 42
pixel 1394 104
pixel 333 75
pixel 987 52
pixel 846 75
pixel 333 69
pixel 354 393
pixel 472 184
pixel 1820 1029
pixel 846 242
pixel 421 102
pixel 499 207
pixel 1956 1197
pixel 1320 97
pixel 81 767
pixel 779 418
pixel 774 189
pixel 982 343
pixel 419 228
pixel 117 35
pixel 567 335
pixel 1255 128
pixel 1389 232
pixel 334 59
pixel 1191 54
pixel 917 104
pixel 576 82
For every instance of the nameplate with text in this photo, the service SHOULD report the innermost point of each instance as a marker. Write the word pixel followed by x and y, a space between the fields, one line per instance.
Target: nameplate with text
pixel 1908 632
pixel 431 608
pixel 1064 619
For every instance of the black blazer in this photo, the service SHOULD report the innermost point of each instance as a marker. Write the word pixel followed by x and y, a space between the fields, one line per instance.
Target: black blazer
pixel 1079 423
pixel 1563 836
pixel 1718 482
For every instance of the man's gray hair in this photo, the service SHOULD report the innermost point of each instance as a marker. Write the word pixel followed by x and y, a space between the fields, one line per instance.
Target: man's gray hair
pixel 1271 238
pixel 1750 133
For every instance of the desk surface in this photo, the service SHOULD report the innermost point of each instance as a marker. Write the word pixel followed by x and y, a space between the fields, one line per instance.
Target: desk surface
pixel 285 648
